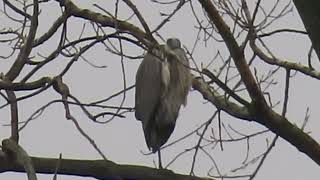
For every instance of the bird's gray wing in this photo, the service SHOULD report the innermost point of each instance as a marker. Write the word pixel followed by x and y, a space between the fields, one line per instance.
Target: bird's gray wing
pixel 183 76
pixel 148 88
pixel 169 106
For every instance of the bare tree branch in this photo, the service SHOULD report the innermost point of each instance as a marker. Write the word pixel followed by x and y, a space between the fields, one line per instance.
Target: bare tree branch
pixel 19 156
pixel 99 169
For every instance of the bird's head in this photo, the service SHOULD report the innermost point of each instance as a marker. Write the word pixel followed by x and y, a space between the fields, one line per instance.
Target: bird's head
pixel 173 43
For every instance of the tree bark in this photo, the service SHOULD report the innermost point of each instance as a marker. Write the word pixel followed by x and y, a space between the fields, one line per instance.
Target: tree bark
pixel 259 111
pixel 99 169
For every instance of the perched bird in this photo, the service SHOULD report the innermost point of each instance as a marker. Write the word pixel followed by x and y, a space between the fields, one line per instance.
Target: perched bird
pixel 163 81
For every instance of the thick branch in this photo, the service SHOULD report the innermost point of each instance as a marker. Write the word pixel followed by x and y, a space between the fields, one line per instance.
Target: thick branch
pixel 99 169
pixel 235 52
pixel 17 154
pixel 290 132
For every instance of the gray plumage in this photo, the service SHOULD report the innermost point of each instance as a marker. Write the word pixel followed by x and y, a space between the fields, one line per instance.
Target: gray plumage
pixel 162 85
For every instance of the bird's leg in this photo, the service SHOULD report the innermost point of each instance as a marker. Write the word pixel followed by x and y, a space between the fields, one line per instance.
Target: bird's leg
pixel 159 158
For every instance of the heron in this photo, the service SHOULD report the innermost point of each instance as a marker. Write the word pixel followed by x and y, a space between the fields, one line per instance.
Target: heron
pixel 163 81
